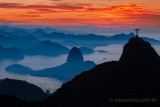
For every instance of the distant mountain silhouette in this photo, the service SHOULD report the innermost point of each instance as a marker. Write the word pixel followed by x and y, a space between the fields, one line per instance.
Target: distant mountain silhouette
pixel 47 48
pixel 23 38
pixel 102 51
pixel 49 30
pixel 121 38
pixel 4 33
pixel 10 53
pixel 73 66
pixel 21 42
pixel 39 32
pixel 87 40
pixel 136 75
pixel 21 90
pixel 92 40
pixel 30 45
pixel 55 34
pixel 86 50
pixel 19 69
pixel 20 32
pixel 59 35
pixel 75 56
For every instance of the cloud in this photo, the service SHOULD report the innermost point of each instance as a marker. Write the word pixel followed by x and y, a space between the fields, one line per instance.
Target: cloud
pixel 28 15
pixel 21 6
pixel 43 11
pixel 108 17
pixel 133 7
pixel 56 0
pixel 126 13
pixel 9 22
pixel 10 5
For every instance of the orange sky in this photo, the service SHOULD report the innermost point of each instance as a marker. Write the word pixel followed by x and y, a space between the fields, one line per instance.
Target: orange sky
pixel 102 14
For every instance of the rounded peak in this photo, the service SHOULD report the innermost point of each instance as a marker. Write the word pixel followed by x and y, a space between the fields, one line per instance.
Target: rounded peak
pixel 75 48
pixel 138 51
pixel 75 56
pixel 137 40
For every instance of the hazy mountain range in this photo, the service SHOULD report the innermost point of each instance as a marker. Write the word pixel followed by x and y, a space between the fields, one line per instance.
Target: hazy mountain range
pixel 74 65
pixel 50 42
pixel 55 35
pixel 135 76
pixel 10 53
pixel 46 48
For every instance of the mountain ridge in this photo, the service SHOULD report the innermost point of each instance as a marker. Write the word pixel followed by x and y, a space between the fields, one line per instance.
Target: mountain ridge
pixel 115 79
pixel 103 84
pixel 73 66
pixel 21 90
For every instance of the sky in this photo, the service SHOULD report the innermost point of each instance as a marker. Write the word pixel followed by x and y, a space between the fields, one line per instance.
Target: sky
pixel 83 15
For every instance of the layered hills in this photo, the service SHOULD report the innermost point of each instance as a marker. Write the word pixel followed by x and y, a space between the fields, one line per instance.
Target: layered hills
pixel 74 65
pixel 135 75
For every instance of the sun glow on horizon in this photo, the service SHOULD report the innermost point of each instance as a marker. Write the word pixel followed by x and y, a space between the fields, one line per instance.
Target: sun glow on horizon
pixel 99 13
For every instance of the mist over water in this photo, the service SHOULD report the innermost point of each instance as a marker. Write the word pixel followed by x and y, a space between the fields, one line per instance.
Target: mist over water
pixel 41 62
pixel 113 53
pixel 44 83
pixel 157 48
pixel 152 35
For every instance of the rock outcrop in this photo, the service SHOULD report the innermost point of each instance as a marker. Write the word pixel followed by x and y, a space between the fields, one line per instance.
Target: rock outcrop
pixel 75 56
pixel 135 76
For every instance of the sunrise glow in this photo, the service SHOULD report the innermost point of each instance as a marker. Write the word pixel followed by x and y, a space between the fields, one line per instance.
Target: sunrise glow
pixel 102 14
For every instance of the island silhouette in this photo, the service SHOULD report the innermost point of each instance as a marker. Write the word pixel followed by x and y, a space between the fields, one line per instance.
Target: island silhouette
pixel 136 75
pixel 74 65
